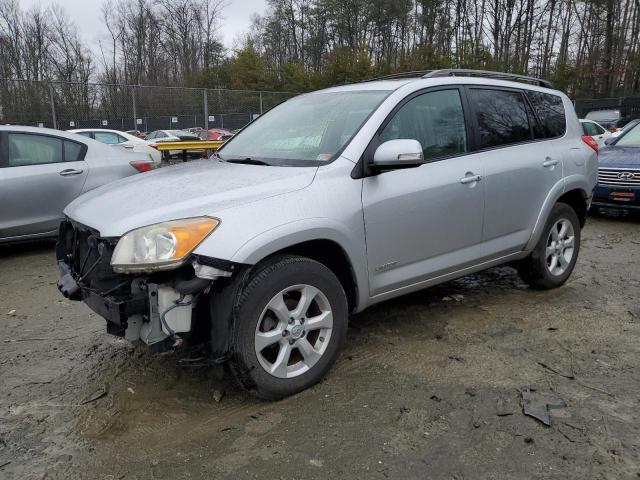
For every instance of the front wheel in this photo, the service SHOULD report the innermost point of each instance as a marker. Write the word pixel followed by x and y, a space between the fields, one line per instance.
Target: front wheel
pixel 289 326
pixel 554 257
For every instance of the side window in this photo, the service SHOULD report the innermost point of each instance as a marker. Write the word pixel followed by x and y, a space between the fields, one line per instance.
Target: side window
pixel 73 151
pixel 30 149
pixel 85 134
pixel 550 111
pixel 538 131
pixel 587 128
pixel 151 136
pixel 599 130
pixel 109 138
pixel 501 116
pixel 435 119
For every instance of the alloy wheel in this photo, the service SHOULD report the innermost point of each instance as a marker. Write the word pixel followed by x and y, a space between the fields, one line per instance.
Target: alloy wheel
pixel 293 331
pixel 560 247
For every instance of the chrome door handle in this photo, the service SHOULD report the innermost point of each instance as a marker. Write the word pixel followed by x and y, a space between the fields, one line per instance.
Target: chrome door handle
pixel 70 171
pixel 550 163
pixel 470 179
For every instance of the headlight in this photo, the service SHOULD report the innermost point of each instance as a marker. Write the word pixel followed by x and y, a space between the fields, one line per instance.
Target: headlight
pixel 162 246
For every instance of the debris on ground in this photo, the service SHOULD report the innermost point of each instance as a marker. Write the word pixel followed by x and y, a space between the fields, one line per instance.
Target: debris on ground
pixel 218 395
pixel 101 392
pixel 505 406
pixel 538 405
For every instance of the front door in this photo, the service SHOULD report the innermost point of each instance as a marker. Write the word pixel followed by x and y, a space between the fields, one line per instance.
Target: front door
pixel 40 175
pixel 426 221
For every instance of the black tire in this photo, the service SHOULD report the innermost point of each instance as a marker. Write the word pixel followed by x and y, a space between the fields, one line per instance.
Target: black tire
pixel 534 269
pixel 267 280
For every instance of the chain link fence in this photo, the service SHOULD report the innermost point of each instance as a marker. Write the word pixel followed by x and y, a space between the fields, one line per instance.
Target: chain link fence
pixel 65 105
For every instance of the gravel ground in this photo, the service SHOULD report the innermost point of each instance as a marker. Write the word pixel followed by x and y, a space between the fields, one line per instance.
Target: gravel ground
pixel 429 386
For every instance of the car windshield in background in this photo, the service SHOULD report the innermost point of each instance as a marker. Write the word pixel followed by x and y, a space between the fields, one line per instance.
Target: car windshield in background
pixel 630 138
pixel 306 130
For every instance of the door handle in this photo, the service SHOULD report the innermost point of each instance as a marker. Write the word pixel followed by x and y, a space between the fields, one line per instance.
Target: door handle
pixel 550 163
pixel 470 179
pixel 70 171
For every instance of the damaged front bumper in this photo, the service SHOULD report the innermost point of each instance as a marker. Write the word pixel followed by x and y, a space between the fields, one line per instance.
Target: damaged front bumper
pixel 152 308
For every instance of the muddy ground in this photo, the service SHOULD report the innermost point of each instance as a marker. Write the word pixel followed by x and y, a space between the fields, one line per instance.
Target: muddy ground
pixel 429 386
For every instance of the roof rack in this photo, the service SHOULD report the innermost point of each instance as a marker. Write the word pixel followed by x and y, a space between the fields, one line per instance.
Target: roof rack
pixel 453 72
pixel 400 75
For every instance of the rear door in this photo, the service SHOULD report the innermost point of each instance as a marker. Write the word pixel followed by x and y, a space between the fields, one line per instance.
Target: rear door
pixel 521 166
pixel 426 221
pixel 40 175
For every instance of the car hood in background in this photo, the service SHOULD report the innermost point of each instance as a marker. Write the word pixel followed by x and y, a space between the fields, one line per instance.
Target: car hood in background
pixel 204 187
pixel 613 156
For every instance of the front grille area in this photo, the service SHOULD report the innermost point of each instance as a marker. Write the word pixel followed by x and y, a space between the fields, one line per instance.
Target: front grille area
pixel 88 257
pixel 619 177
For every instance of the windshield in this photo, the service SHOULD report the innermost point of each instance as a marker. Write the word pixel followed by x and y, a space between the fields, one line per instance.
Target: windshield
pixel 604 115
pixel 306 130
pixel 631 138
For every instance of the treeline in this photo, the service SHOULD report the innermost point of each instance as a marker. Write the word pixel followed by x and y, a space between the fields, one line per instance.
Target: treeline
pixel 589 48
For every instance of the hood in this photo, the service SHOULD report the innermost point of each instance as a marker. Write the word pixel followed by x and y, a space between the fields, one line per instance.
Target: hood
pixel 203 187
pixel 613 156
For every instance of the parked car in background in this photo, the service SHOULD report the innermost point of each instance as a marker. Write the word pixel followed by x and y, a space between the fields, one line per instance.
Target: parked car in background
pixel 160 136
pixel 619 172
pixel 608 119
pixel 628 126
pixel 216 134
pixel 123 140
pixel 195 130
pixel 137 133
pixel 327 204
pixel 42 170
pixel 595 131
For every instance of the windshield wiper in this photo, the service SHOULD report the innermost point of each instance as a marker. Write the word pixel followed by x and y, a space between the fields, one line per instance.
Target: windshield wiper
pixel 247 161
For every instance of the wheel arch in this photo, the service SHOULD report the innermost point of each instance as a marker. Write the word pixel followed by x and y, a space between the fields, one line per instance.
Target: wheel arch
pixel 332 246
pixel 573 191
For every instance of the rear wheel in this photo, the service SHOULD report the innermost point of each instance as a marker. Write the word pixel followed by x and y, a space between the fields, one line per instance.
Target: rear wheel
pixel 554 257
pixel 289 326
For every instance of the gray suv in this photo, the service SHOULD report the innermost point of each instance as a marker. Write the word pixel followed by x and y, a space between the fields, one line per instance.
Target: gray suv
pixel 327 204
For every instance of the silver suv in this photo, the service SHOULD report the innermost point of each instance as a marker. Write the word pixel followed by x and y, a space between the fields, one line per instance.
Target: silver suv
pixel 327 204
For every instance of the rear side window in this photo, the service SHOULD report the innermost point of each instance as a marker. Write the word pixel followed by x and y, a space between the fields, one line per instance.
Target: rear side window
pixel 30 149
pixel 435 119
pixel 501 116
pixel 73 151
pixel 109 138
pixel 550 110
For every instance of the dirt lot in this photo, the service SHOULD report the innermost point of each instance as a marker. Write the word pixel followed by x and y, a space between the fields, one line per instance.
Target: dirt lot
pixel 429 386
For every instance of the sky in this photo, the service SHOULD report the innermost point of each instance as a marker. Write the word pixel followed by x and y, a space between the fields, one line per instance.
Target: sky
pixel 88 17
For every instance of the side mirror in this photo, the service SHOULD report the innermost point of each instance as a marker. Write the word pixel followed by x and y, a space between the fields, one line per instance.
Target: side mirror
pixel 401 153
pixel 609 141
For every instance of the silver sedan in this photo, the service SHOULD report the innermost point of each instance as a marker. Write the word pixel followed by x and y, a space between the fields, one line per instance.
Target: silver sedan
pixel 42 170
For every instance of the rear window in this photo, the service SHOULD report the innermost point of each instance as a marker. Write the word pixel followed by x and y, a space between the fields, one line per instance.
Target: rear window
pixel 550 111
pixel 501 116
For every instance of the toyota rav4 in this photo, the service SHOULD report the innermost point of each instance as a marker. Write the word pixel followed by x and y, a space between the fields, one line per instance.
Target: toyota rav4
pixel 329 203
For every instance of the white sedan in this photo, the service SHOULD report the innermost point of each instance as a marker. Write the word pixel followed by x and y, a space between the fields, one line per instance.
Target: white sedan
pixel 595 131
pixel 122 140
